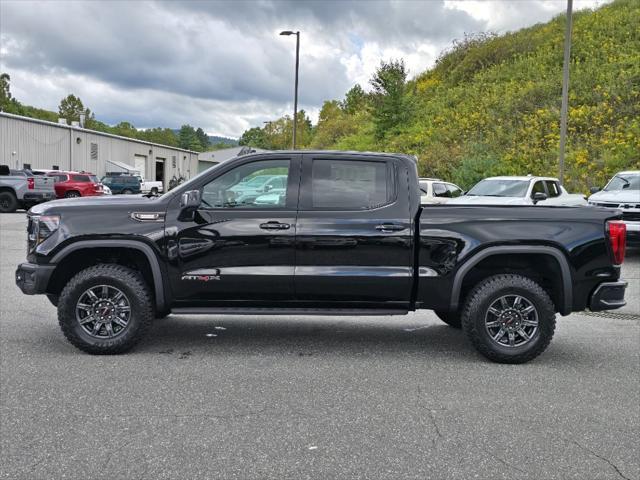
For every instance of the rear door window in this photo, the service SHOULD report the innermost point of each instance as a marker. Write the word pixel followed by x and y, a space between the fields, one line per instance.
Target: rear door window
pixel 351 184
pixel 80 178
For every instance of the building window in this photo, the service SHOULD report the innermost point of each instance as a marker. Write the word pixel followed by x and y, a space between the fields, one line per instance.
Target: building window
pixel 94 151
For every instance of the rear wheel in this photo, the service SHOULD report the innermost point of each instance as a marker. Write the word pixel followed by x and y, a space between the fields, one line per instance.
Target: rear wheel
pixel 72 194
pixel 154 191
pixel 450 318
pixel 8 202
pixel 105 309
pixel 509 318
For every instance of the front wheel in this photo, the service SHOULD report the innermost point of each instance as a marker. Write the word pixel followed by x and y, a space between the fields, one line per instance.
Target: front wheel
pixel 105 309
pixel 509 318
pixel 8 202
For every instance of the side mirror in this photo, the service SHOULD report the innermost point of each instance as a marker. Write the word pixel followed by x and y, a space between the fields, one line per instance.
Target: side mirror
pixel 594 189
pixel 190 200
pixel 538 197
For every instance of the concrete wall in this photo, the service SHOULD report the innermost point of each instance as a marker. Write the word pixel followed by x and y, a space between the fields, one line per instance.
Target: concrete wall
pixel 44 144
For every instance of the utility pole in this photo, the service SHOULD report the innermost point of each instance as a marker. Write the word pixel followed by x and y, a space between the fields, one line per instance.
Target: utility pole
pixel 565 88
pixel 295 95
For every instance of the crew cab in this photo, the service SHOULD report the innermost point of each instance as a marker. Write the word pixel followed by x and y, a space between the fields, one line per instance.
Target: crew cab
pixel 349 238
pixel 153 187
pixel 76 184
pixel 23 189
pixel 527 190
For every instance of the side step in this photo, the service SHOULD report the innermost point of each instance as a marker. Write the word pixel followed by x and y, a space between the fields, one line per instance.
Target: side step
pixel 287 311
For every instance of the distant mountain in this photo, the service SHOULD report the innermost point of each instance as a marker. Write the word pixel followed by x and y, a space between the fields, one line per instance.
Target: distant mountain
pixel 215 139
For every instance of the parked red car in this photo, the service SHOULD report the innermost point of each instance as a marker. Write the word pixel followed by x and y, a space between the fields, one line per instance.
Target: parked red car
pixel 76 184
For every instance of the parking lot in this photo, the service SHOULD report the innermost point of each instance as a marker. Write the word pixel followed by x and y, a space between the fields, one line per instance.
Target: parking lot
pixel 314 397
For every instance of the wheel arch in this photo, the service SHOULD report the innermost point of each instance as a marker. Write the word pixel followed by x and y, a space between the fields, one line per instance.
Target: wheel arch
pixel 565 299
pixel 114 246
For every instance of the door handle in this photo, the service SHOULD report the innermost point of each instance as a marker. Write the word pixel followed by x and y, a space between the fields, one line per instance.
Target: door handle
pixel 390 227
pixel 273 225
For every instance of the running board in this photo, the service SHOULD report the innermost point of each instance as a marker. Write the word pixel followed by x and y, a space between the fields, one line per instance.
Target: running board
pixel 287 311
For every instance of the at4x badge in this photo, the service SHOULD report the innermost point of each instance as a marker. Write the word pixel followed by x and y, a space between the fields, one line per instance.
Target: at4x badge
pixel 201 275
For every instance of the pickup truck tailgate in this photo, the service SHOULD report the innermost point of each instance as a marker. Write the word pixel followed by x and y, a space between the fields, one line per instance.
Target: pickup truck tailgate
pixel 43 183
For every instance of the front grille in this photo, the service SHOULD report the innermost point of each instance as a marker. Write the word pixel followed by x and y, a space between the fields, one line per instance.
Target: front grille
pixel 631 216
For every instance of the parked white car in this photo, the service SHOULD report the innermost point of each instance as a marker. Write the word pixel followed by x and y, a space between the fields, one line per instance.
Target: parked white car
pixel 622 192
pixel 434 190
pixel 527 190
pixel 149 186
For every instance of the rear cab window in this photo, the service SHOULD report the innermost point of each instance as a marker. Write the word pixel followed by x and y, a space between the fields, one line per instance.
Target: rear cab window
pixel 350 184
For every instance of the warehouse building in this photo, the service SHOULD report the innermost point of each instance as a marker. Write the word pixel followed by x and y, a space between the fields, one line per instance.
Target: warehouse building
pixel 37 144
pixel 209 159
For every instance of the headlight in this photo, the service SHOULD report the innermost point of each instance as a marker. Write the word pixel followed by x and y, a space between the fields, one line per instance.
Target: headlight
pixel 40 228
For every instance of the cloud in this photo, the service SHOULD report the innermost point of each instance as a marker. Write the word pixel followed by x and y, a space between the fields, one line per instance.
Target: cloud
pixel 222 65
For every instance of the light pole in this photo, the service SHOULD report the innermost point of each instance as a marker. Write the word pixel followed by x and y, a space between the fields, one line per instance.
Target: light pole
pixel 295 95
pixel 565 88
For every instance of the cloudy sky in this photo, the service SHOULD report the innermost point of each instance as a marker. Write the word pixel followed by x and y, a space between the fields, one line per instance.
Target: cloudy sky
pixel 221 64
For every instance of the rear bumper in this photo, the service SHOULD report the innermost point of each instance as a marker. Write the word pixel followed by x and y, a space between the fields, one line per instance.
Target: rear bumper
pixel 33 279
pixel 38 197
pixel 608 296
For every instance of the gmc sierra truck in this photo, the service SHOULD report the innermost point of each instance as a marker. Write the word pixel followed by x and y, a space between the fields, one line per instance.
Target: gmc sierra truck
pixel 347 236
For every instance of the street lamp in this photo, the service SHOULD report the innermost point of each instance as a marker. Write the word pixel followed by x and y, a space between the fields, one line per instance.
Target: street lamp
pixel 565 88
pixel 295 96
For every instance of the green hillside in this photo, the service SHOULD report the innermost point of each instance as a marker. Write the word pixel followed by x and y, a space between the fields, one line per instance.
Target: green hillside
pixel 491 105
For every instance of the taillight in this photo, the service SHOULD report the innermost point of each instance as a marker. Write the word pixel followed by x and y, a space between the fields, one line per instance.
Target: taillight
pixel 31 183
pixel 618 239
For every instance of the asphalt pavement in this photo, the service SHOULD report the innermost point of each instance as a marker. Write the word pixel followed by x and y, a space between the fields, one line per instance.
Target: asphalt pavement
pixel 313 397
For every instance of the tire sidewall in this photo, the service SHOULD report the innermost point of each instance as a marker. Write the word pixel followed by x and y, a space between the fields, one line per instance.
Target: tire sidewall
pixel 12 202
pixel 67 309
pixel 484 305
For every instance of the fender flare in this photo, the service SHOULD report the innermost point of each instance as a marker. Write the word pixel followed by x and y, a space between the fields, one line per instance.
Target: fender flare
pixel 156 271
pixel 565 270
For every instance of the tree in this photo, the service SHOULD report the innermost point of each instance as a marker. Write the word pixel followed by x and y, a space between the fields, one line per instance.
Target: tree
pixel 188 139
pixel 389 102
pixel 203 139
pixel 254 137
pixel 163 136
pixel 333 124
pixel 5 93
pixel 355 100
pixel 7 102
pixel 71 108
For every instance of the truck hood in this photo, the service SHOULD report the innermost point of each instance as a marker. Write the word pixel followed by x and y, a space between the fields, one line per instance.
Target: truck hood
pixel 93 204
pixel 481 200
pixel 616 196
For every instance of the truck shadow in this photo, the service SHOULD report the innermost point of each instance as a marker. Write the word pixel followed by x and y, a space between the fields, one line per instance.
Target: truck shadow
pixel 305 336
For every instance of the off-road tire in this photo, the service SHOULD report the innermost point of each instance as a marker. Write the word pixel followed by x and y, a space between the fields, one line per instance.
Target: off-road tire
pixel 488 291
pixel 126 280
pixel 8 202
pixel 450 318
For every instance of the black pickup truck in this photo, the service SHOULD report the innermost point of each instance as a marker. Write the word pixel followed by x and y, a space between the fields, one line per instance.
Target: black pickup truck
pixel 330 233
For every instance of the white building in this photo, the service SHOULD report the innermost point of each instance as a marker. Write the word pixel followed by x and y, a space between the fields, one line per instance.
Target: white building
pixel 37 144
pixel 211 158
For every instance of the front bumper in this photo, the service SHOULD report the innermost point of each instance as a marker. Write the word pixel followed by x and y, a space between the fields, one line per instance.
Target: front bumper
pixel 33 279
pixel 608 296
pixel 38 197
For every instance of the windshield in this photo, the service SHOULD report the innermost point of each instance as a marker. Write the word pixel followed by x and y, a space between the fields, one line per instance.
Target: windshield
pixel 623 182
pixel 500 188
